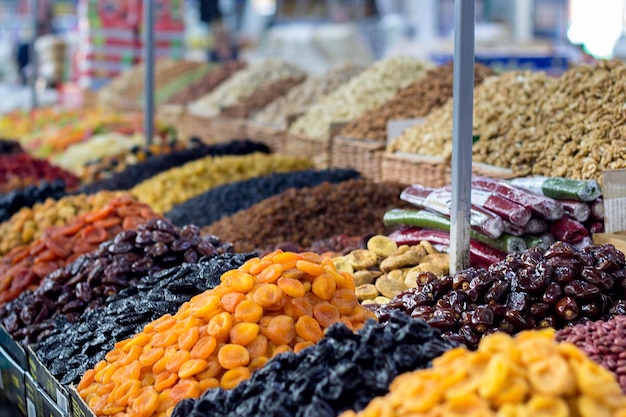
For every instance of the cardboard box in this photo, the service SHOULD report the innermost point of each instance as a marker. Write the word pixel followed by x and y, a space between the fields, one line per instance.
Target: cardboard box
pixel 14 349
pixel 12 381
pixel 38 403
pixel 614 196
pixel 59 394
pixel 79 407
pixel 616 239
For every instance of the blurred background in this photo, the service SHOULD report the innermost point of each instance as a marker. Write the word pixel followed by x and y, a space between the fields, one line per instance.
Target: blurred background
pixel 86 43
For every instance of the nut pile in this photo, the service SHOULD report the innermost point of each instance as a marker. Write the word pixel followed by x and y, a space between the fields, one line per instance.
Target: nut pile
pixel 228 199
pixel 529 375
pixel 343 371
pixel 243 84
pixel 581 128
pixel 177 185
pixel 130 83
pixel 24 267
pixel 19 170
pixel 562 287
pixel 71 349
pixel 384 270
pixel 207 83
pixel 280 303
pixel 29 222
pixel 12 201
pixel 505 108
pixel 416 100
pixel 303 216
pixel 603 341
pixel 153 165
pixel 302 96
pixel 85 283
pixel 363 92
pixel 248 106
pixel 101 168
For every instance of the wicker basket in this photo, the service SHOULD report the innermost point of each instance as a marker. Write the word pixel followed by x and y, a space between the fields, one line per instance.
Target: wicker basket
pixel 171 115
pixel 272 136
pixel 430 171
pixel 317 150
pixel 363 155
pixel 211 130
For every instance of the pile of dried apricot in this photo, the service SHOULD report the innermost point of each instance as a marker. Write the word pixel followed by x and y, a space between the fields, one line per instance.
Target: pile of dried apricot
pixel 25 266
pixel 529 375
pixel 279 303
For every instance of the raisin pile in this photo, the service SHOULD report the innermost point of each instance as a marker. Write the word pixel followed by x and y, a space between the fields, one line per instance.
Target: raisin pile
pixel 303 216
pixel 558 288
pixel 135 174
pixel 228 199
pixel 119 263
pixel 12 201
pixel 71 349
pixel 345 370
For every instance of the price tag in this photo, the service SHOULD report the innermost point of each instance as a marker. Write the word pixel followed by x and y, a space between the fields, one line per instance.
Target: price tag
pixel 31 411
pixel 62 401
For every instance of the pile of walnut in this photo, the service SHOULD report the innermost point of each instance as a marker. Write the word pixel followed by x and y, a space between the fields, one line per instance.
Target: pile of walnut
pixel 385 269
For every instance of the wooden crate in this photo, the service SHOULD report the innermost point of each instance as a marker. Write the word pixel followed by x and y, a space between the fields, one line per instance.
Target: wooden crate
pixel 272 136
pixel 363 155
pixel 430 171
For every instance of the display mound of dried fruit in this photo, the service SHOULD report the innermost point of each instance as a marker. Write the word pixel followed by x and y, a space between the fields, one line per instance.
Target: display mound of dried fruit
pixel 345 370
pixel 529 375
pixel 279 303
pixel 558 288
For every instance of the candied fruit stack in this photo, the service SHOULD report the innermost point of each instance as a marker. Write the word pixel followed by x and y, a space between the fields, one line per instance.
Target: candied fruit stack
pixel 282 302
pixel 529 375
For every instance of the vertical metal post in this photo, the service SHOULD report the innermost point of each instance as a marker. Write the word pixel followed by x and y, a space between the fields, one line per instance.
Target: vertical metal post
pixel 148 59
pixel 463 107
pixel 32 55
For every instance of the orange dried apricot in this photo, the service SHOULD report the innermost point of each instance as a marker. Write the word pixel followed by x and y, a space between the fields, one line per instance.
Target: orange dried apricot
pixel 233 377
pixel 146 403
pixel 208 383
pixel 165 380
pixel 188 338
pixel 203 347
pixel 231 301
pixel 301 346
pixel 238 280
pixel 257 363
pixel 177 360
pixel 165 324
pixel 345 301
pixel 302 306
pixel 258 346
pixel 164 339
pixel 281 330
pixel 281 349
pixel 185 388
pixel 244 333
pixel 219 326
pixel 270 274
pixel 232 356
pixel 260 266
pixel 248 311
pixel 291 287
pixel 192 367
pixel 311 257
pixel 268 296
pixel 212 371
pixel 204 307
pixel 309 329
pixel 310 268
pixel 121 394
pixel 324 286
pixel 326 313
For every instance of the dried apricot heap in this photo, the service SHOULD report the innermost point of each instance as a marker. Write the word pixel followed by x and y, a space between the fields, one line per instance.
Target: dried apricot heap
pixel 529 375
pixel 282 302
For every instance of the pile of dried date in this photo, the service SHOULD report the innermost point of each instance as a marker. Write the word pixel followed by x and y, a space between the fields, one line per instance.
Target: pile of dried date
pixel 117 264
pixel 558 288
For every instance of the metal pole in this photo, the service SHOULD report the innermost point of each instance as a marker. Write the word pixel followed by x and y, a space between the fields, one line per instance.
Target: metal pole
pixel 148 59
pixel 32 55
pixel 463 107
